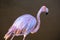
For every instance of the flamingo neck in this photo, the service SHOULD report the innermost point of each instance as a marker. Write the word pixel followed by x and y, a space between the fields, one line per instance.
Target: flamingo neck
pixel 38 16
pixel 38 22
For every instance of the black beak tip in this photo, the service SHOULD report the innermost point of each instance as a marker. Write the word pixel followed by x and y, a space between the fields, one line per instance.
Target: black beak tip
pixel 46 13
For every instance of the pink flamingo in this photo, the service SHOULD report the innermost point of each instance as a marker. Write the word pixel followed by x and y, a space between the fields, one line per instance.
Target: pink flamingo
pixel 25 24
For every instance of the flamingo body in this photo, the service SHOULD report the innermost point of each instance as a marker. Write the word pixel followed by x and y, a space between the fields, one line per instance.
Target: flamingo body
pixel 26 21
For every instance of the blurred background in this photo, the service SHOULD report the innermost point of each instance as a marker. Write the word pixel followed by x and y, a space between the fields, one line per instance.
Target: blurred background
pixel 50 26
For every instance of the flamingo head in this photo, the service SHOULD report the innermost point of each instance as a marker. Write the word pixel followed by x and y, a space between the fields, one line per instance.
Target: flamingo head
pixel 44 9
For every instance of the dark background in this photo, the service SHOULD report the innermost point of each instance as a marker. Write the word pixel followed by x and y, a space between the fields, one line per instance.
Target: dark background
pixel 50 26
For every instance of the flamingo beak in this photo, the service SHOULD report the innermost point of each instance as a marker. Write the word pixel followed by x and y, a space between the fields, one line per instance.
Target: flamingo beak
pixel 46 13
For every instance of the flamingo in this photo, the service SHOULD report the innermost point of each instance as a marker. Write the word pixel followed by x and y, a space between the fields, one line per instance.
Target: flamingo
pixel 25 24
